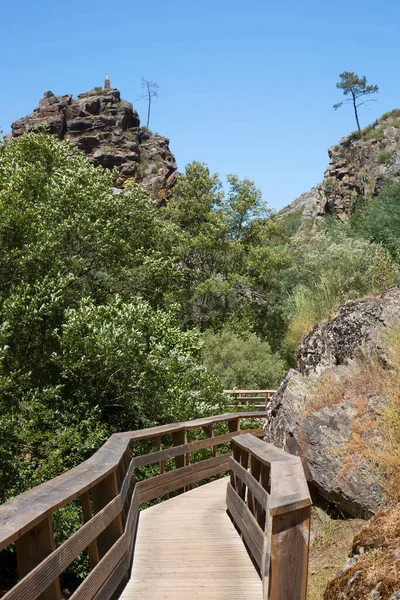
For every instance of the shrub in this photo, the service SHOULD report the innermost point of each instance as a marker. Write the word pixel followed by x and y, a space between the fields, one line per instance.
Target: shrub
pixel 378 220
pixel 292 221
pixel 244 362
pixel 384 156
pixel 69 113
pixel 391 115
pixel 332 269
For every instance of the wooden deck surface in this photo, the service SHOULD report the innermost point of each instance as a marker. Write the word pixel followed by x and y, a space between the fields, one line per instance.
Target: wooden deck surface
pixel 188 548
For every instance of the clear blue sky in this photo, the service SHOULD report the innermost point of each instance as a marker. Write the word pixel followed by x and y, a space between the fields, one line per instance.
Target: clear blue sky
pixel 246 87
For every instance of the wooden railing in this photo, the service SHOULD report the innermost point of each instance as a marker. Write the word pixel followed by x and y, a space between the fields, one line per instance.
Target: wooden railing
pixel 110 495
pixel 271 506
pixel 258 399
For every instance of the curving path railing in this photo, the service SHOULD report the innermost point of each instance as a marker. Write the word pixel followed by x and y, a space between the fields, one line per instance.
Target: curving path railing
pixel 110 499
pixel 269 505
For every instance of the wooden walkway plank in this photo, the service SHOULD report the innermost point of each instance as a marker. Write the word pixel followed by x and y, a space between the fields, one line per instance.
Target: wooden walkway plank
pixel 187 547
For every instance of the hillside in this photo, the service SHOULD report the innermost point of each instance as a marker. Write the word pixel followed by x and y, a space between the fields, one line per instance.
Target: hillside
pixel 107 129
pixel 357 167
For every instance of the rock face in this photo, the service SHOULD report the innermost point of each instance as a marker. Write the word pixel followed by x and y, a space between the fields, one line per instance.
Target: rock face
pixel 323 432
pixel 108 131
pixel 357 167
pixel 356 325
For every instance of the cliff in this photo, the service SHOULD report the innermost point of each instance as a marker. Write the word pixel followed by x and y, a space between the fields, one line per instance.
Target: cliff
pixel 357 167
pixel 108 130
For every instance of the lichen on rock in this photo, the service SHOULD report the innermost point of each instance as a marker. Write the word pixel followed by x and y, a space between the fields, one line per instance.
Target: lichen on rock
pixel 328 409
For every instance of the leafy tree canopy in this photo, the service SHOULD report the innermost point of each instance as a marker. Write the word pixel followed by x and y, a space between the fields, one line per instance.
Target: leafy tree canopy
pixel 356 87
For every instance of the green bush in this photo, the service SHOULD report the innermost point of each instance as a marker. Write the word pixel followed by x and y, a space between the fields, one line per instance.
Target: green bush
pixel 384 156
pixel 292 220
pixel 378 219
pixel 332 269
pixel 242 362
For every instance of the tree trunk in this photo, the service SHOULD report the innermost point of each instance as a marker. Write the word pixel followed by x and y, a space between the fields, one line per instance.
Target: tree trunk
pixel 148 111
pixel 356 115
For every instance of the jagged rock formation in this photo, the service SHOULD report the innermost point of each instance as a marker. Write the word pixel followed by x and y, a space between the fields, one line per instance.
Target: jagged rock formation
pixel 323 432
pixel 108 131
pixel 357 167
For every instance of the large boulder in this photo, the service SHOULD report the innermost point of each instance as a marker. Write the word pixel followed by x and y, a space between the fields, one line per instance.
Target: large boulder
pixel 357 325
pixel 330 365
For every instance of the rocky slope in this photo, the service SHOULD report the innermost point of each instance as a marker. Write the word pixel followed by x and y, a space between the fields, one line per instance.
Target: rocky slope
pixel 357 167
pixel 327 410
pixel 108 131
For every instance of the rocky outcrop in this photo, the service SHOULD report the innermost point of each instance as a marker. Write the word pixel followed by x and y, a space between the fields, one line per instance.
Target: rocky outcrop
pixel 356 326
pixel 357 167
pixel 326 403
pixel 108 130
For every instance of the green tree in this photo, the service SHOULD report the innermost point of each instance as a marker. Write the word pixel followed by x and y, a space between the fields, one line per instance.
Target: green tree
pixel 356 87
pixel 227 246
pixel 242 361
pixel 243 207
pixel 86 337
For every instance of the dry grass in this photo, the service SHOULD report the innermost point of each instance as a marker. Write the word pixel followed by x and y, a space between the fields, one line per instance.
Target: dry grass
pixel 328 553
pixel 378 563
pixel 375 433
pixel 384 448
pixel 300 326
pixel 363 378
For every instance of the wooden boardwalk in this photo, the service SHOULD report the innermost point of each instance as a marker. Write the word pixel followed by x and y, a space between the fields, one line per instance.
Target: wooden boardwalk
pixel 187 547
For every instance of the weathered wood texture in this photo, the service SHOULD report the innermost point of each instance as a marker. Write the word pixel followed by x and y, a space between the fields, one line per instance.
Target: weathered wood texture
pixel 270 506
pixel 187 547
pixel 110 502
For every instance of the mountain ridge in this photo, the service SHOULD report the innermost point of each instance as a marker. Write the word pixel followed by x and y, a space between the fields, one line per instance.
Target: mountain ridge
pixel 358 167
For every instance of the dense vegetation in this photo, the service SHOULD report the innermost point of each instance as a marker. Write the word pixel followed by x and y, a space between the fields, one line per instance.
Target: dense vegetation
pixel 115 314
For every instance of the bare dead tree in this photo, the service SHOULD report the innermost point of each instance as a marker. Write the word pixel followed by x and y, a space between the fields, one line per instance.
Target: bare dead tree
pixel 151 91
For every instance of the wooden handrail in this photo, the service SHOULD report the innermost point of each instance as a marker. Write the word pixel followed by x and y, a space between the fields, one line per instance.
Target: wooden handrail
pixel 110 500
pixel 252 397
pixel 244 392
pixel 271 507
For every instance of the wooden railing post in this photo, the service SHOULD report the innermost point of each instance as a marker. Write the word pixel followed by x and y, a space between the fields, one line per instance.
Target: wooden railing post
pixel 209 431
pixel 161 464
pixel 102 493
pixel 178 439
pixel 234 425
pixel 87 515
pixel 290 534
pixel 32 548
